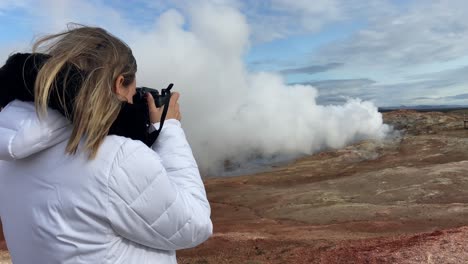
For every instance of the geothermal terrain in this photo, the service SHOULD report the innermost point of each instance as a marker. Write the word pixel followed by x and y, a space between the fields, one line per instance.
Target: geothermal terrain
pixel 401 200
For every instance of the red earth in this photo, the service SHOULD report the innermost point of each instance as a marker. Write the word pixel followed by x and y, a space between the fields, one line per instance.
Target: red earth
pixel 402 200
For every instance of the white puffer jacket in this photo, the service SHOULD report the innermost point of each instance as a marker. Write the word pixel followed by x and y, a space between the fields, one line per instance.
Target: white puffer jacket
pixel 131 204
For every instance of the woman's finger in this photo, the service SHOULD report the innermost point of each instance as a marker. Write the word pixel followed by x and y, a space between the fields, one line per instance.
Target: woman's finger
pixel 174 98
pixel 151 105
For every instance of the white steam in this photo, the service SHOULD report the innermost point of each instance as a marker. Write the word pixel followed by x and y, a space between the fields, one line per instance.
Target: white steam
pixel 230 114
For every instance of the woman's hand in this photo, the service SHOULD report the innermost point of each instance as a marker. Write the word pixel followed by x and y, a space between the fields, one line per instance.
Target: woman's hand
pixel 173 111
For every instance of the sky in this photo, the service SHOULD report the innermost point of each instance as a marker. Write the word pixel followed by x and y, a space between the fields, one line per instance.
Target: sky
pixel 391 52
pixel 264 81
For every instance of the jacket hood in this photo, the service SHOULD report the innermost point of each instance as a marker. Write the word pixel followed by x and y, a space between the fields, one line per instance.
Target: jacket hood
pixel 19 74
pixel 17 78
pixel 22 134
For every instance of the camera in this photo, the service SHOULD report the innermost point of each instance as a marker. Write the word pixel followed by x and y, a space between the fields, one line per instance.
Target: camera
pixel 159 99
pixel 133 120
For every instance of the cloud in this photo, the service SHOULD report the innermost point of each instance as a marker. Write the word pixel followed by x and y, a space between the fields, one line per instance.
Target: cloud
pixel 276 19
pixel 340 83
pixel 439 84
pixel 265 62
pixel 338 91
pixel 311 16
pixel 9 5
pixel 312 69
pixel 230 115
pixel 457 97
pixel 406 92
pixel 459 74
pixel 413 36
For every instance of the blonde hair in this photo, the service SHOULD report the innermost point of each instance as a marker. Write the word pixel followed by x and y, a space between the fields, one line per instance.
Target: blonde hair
pixel 101 58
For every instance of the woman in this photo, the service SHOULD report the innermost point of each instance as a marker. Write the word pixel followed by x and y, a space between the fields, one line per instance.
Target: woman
pixel 71 193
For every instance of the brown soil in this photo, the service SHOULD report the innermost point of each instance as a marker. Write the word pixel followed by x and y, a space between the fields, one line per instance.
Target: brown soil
pixel 2 240
pixel 401 200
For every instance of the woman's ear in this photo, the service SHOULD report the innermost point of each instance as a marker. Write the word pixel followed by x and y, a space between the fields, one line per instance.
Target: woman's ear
pixel 120 89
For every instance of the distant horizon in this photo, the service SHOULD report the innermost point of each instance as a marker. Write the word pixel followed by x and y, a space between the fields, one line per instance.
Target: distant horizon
pixel 425 106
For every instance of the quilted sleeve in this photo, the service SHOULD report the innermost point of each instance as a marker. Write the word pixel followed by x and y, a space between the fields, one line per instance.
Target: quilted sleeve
pixel 154 207
pixel 178 160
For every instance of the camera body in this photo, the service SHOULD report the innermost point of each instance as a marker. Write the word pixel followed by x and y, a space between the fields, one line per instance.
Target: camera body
pixel 159 98
pixel 133 120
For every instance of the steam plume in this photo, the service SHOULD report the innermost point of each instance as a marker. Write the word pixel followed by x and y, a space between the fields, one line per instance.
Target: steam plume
pixel 232 115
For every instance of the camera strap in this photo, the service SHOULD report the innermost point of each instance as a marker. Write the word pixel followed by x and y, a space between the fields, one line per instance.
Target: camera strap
pixel 154 135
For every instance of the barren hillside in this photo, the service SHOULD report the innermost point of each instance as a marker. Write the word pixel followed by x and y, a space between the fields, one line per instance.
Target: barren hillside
pixel 403 200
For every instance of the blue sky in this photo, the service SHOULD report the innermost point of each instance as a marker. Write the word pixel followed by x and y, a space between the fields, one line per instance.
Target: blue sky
pixel 387 51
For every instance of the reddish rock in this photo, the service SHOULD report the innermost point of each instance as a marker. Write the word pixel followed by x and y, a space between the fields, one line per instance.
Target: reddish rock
pixel 2 239
pixel 402 200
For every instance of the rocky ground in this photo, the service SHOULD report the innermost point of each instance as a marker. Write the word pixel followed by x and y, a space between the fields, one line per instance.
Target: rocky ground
pixel 401 200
